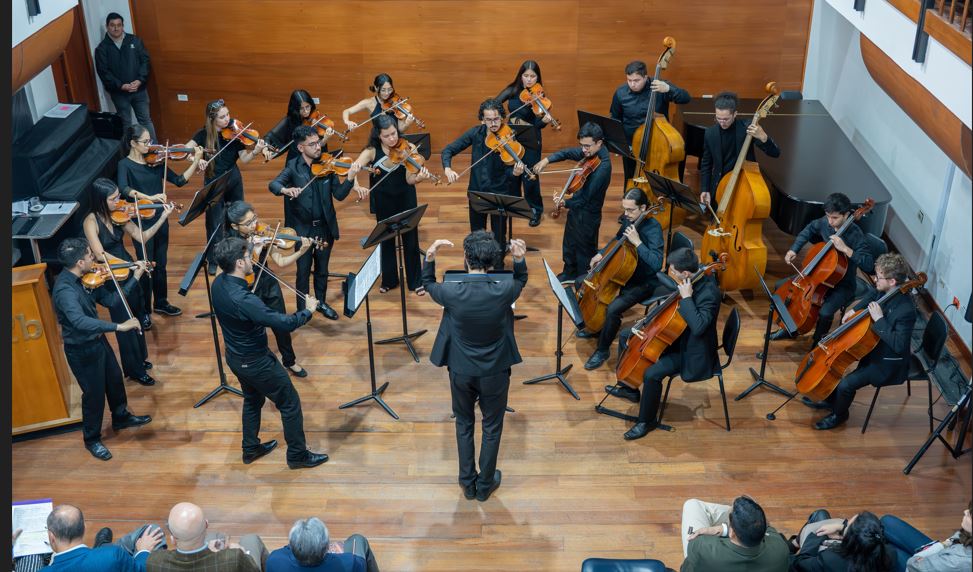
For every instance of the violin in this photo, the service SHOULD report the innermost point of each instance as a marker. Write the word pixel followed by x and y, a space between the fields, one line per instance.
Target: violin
pixel 145 209
pixel 328 164
pixel 284 238
pixel 407 154
pixel 401 109
pixel 101 272
pixel 658 330
pixel 540 105
pixel 823 268
pixel 323 125
pixel 160 153
pixel 236 130
pixel 510 150
pixel 583 170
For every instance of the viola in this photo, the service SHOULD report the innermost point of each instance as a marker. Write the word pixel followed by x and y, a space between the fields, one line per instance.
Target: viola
pixel 401 109
pixel 407 154
pixel 158 154
pixel 323 125
pixel 654 333
pixel 540 105
pixel 328 164
pixel 284 238
pixel 583 170
pixel 510 150
pixel 823 367
pixel 101 272
pixel 145 209
pixel 823 268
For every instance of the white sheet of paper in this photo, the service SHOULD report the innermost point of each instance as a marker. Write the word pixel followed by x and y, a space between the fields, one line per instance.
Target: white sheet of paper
pixel 57 208
pixel 370 271
pixel 61 110
pixel 31 517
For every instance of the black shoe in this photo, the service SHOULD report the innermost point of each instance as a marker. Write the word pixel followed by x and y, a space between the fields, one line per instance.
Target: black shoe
pixel 624 392
pixel 147 365
pixel 564 277
pixel 211 268
pixel 328 311
pixel 818 516
pixel 131 421
pixel 310 460
pixel 815 404
pixel 469 491
pixel 482 496
pixel 596 359
pixel 780 334
pixel 98 450
pixel 299 372
pixel 829 422
pixel 262 449
pixel 640 430
pixel 145 380
pixel 585 334
pixel 146 323
pixel 535 220
pixel 166 308
pixel 104 536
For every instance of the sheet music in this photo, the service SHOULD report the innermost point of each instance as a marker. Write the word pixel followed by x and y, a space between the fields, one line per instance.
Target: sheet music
pixel 569 303
pixel 31 517
pixel 369 273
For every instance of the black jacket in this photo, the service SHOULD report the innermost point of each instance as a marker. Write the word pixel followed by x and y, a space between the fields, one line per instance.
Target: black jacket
pixel 117 66
pixel 891 355
pixel 698 344
pixel 244 317
pixel 299 212
pixel 812 559
pixel 490 175
pixel 74 306
pixel 818 230
pixel 591 196
pixel 649 252
pixel 711 163
pixel 476 333
pixel 630 107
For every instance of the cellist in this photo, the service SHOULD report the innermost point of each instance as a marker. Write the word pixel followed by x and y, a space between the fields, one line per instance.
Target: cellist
pixel 852 243
pixel 692 356
pixel 631 101
pixel 649 244
pixel 888 363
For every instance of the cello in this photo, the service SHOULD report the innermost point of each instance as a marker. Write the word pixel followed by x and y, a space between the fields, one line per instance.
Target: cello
pixel 823 367
pixel 823 268
pixel 658 146
pixel 605 280
pixel 744 203
pixel 657 331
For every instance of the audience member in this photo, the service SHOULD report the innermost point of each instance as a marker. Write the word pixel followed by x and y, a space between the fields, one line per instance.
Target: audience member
pixel 724 538
pixel 65 533
pixel 916 552
pixel 309 549
pixel 197 550
pixel 855 544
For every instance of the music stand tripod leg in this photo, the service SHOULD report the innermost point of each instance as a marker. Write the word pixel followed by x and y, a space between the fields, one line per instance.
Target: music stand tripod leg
pixel 559 374
pixel 758 378
pixel 406 337
pixel 223 386
pixel 376 393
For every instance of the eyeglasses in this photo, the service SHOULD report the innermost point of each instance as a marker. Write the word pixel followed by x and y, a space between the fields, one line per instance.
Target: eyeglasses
pixel 586 147
pixel 250 221
pixel 312 143
pixel 494 120
pixel 144 141
pixel 635 210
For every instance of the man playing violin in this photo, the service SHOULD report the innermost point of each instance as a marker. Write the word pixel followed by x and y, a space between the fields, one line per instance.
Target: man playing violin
pixel 649 244
pixel 888 363
pixel 631 101
pixel 242 223
pixel 692 356
pixel 312 207
pixel 91 359
pixel 580 243
pixel 852 243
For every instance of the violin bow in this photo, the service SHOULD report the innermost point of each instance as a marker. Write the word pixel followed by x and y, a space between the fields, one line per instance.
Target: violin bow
pixel 269 246
pixel 485 155
pixel 281 150
pixel 235 137
pixel 128 309
pixel 270 273
pixel 395 166
pixel 372 118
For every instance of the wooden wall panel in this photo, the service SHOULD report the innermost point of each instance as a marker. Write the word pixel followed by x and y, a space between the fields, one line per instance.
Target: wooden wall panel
pixel 449 55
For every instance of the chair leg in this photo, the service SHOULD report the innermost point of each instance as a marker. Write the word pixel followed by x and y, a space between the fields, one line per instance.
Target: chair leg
pixel 726 412
pixel 908 388
pixel 665 400
pixel 929 382
pixel 870 408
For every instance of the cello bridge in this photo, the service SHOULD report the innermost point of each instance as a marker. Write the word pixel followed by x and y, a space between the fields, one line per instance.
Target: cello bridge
pixel 640 180
pixel 717 232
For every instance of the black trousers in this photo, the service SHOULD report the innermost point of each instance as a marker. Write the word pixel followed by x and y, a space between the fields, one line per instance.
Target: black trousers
pixel 411 262
pixel 630 295
pixel 262 378
pixel 869 374
pixel 157 250
pixel 670 363
pixel 498 226
pixel 131 345
pixel 491 390
pixel 319 258
pixel 531 189
pixel 580 243
pixel 216 214
pixel 836 299
pixel 97 372
pixel 274 298
pixel 628 166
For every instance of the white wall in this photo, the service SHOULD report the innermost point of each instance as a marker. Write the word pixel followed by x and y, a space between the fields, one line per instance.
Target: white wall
pixel 919 176
pixel 41 91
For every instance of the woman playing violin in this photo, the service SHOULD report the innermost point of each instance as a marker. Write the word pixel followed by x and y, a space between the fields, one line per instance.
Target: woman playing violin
pixel 394 194
pixel 230 150
pixel 139 180
pixel 383 89
pixel 104 236
pixel 300 108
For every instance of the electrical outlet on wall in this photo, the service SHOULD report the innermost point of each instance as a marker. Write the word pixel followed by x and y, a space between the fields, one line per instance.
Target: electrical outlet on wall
pixel 316 101
pixel 182 97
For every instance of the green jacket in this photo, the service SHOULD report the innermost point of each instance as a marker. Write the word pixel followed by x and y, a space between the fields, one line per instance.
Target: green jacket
pixel 711 553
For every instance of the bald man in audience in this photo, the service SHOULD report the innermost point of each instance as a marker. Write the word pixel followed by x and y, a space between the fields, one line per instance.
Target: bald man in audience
pixel 65 534
pixel 201 551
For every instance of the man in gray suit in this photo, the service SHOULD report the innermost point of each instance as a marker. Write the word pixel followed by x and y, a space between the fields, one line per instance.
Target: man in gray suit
pixel 476 343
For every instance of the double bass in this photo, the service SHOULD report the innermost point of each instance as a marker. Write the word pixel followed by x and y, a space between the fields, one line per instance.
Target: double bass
pixel 605 280
pixel 657 331
pixel 658 146
pixel 823 367
pixel 823 268
pixel 744 203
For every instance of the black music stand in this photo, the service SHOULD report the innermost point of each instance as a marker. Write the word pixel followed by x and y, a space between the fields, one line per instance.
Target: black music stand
pixel 392 228
pixel 507 207
pixel 957 449
pixel 422 142
pixel 777 306
pixel 526 135
pixel 205 198
pixel 678 195
pixel 615 136
pixel 569 302
pixel 356 289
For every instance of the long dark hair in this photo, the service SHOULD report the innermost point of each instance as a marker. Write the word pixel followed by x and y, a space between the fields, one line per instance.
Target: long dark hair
pixel 133 132
pixel 380 80
pixel 863 545
pixel 101 189
pixel 379 124
pixel 298 98
pixel 517 85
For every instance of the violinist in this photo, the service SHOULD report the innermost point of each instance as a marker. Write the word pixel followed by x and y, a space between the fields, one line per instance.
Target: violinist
pixel 649 244
pixel 490 175
pixel 888 363
pixel 395 193
pixel 139 180
pixel 692 356
pixel 91 359
pixel 104 236
pixel 631 102
pixel 299 108
pixel 518 113
pixel 852 243
pixel 722 143
pixel 242 223
pixel 313 212
pixel 383 89
pixel 230 150
pixel 580 243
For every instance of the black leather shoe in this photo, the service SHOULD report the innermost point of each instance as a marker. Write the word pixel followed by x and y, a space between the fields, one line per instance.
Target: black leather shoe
pixel 168 309
pixel 638 431
pixel 310 460
pixel 624 392
pixel 482 496
pixel 299 372
pixel 131 421
pixel 98 450
pixel 262 449
pixel 328 311
pixel 585 334
pixel 103 537
pixel 780 334
pixel 815 404
pixel 145 380
pixel 211 268
pixel 146 323
pixel 818 516
pixel 469 491
pixel 535 220
pixel 829 422
pixel 596 359
pixel 147 365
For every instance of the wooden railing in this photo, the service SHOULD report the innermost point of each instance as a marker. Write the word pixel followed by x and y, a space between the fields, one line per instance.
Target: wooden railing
pixel 955 9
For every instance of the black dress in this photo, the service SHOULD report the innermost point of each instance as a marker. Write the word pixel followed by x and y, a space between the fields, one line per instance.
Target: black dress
pixel 226 162
pixel 390 197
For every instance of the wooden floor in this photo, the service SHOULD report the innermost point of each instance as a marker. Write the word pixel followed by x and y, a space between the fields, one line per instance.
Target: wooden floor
pixel 572 488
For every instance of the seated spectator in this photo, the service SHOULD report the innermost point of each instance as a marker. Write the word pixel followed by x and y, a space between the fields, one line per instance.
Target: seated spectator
pixel 857 543
pixel 30 562
pixel 918 553
pixel 197 550
pixel 720 537
pixel 65 533
pixel 309 550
